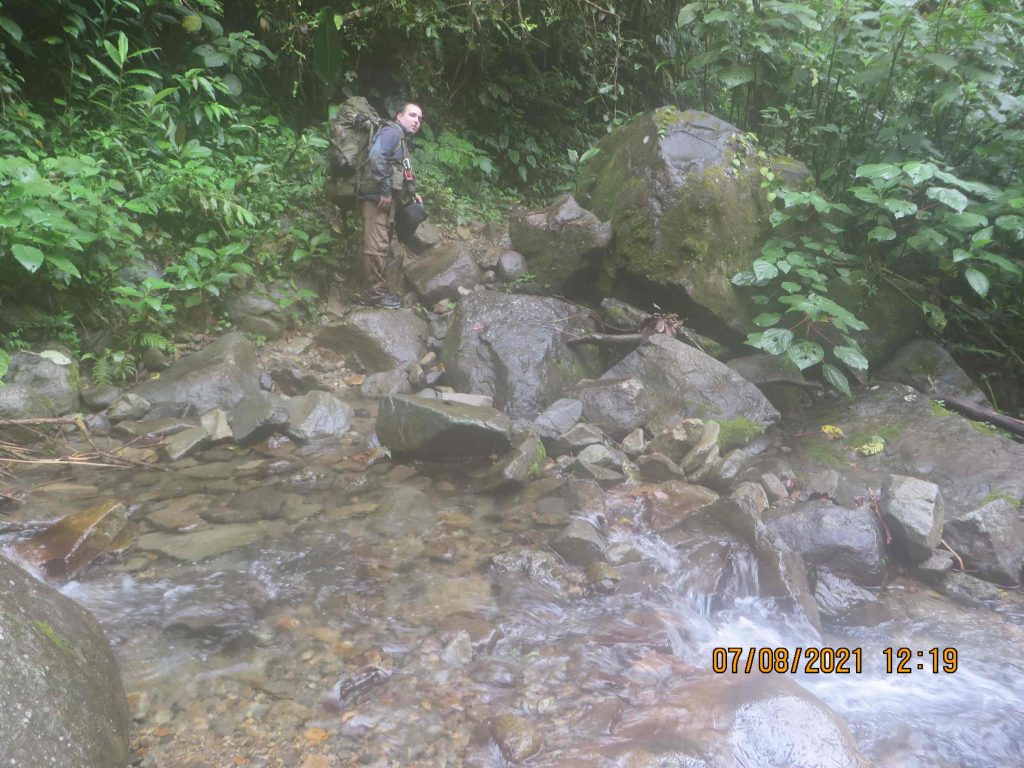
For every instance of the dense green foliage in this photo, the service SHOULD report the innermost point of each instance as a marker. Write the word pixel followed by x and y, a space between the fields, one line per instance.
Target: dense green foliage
pixel 155 151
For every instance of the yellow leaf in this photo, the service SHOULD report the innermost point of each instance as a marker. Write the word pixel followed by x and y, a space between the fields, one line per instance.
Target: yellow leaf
pixel 316 735
pixel 873 446
pixel 832 433
pixel 192 23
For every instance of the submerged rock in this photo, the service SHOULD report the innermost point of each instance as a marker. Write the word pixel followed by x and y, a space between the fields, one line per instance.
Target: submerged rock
pixel 516 737
pixel 65 548
pixel 64 704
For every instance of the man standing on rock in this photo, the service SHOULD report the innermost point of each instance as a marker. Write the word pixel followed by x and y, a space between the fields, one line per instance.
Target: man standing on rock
pixel 388 185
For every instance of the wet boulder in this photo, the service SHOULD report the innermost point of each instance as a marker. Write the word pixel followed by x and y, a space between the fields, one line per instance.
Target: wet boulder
pixel 683 193
pixel 221 375
pixel 514 348
pixel 64 704
pixel 525 462
pixel 68 546
pixel 317 416
pixel 429 428
pixel 558 418
pixel 913 510
pixel 673 381
pixel 257 313
pixel 772 374
pixel 581 543
pixel 847 541
pixel 929 368
pixel 378 339
pixel 516 737
pixel 990 540
pixel 441 273
pixel 969 462
pixel 559 241
pixel 39 386
pixel 741 720
pixel 843 603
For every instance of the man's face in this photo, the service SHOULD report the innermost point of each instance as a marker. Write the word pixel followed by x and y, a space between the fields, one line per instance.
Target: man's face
pixel 411 118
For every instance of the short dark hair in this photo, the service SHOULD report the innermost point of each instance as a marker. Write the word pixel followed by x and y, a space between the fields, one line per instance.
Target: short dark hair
pixel 402 109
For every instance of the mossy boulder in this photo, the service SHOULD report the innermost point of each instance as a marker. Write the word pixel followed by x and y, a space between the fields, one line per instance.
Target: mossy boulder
pixel 894 429
pixel 64 704
pixel 683 193
pixel 38 387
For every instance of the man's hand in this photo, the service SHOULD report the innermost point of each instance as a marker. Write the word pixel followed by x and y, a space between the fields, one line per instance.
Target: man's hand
pixel 417 198
pixel 384 202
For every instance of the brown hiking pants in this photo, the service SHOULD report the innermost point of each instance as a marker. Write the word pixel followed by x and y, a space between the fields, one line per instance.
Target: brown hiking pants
pixel 376 239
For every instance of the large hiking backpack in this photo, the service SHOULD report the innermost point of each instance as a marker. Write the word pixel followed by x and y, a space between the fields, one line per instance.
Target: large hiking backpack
pixel 352 131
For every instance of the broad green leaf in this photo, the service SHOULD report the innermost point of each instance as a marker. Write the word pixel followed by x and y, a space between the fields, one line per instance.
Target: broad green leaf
pixel 64 264
pixel 764 270
pixel 30 257
pixel 11 28
pixel 959 254
pixel 865 194
pixel 743 278
pixel 965 222
pixel 55 356
pixel 882 234
pixel 928 240
pixel 790 287
pixel 122 48
pixel 1002 262
pixel 978 280
pixel 982 237
pixel 687 15
pixel 805 354
pixel 880 171
pixel 852 357
pixel 767 320
pixel 233 84
pixel 328 53
pixel 918 171
pixel 899 208
pixel 774 341
pixel 736 75
pixel 953 198
pixel 942 60
pixel 1014 224
pixel 837 379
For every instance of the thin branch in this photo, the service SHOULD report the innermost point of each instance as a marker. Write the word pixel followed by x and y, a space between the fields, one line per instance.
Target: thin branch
pixel 943 542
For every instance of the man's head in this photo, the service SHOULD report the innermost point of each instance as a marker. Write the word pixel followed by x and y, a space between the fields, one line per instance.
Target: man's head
pixel 410 117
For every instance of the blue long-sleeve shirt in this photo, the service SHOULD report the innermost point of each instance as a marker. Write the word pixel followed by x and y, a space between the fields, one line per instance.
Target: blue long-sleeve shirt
pixel 382 176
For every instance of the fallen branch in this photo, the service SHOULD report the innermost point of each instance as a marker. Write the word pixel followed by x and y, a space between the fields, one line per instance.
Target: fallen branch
pixel 71 461
pixel 980 413
pixel 943 542
pixel 607 338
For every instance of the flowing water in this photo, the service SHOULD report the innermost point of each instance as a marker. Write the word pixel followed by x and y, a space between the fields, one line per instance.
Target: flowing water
pixel 375 627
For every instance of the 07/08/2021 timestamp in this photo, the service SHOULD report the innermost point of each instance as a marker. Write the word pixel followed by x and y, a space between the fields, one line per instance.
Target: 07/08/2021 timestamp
pixel 829 661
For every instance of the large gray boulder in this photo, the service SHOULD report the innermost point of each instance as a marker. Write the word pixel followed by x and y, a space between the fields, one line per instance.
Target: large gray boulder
pixel 257 313
pixel 914 512
pixel 317 416
pixel 428 428
pixel 64 704
pixel 220 375
pixel 559 241
pixel 683 193
pixel 442 272
pixel 849 542
pixel 378 339
pixel 663 381
pixel 969 462
pixel 513 348
pixel 990 540
pixel 36 387
pixel 928 367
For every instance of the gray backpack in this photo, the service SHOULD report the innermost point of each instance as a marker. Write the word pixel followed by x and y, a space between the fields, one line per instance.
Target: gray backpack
pixel 352 131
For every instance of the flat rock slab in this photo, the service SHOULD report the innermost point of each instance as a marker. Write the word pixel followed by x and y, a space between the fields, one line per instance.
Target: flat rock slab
pixel 429 428
pixel 201 544
pixel 971 463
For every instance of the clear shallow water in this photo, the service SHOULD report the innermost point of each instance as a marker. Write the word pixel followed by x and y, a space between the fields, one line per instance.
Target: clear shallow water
pixel 386 637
